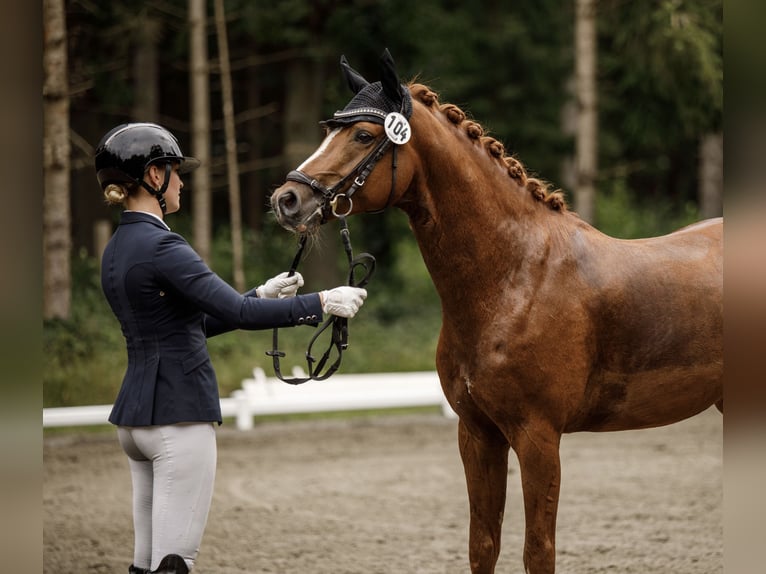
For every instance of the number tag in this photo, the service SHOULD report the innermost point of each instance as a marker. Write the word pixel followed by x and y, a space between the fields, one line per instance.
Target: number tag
pixel 397 128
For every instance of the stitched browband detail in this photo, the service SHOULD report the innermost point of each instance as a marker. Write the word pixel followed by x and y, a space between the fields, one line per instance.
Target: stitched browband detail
pixel 360 112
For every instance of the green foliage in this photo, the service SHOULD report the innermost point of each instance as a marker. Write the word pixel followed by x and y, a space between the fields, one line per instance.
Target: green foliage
pixel 660 90
pixel 276 23
pixel 669 53
pixel 85 356
pixel 621 216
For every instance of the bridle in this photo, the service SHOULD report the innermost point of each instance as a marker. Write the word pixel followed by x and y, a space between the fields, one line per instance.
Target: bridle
pixel 331 196
pixel 358 176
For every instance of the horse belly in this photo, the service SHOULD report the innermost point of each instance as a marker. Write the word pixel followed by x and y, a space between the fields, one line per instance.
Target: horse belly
pixel 657 349
pixel 622 401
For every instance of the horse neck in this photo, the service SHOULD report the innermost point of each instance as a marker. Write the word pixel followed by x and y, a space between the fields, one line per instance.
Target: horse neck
pixel 473 223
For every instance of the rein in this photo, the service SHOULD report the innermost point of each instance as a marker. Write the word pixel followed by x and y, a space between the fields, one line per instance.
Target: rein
pixel 339 333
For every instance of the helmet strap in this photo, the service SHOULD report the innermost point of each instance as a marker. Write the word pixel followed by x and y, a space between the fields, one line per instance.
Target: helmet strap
pixel 160 193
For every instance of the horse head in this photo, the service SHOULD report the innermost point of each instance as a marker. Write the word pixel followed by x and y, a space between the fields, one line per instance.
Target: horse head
pixel 369 133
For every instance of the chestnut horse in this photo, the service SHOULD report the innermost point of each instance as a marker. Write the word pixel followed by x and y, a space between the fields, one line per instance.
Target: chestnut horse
pixel 548 325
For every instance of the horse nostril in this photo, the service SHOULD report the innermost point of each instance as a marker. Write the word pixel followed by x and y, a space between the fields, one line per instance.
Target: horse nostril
pixel 288 203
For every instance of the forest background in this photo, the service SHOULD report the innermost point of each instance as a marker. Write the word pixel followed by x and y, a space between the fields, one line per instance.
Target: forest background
pixel 512 66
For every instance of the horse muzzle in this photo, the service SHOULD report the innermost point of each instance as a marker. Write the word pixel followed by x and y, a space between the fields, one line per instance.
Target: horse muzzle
pixel 295 211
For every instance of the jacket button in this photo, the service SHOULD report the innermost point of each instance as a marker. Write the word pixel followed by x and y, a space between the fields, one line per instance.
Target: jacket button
pixel 162 293
pixel 301 320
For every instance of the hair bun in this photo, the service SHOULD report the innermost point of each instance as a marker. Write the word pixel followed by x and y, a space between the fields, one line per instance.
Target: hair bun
pixel 114 194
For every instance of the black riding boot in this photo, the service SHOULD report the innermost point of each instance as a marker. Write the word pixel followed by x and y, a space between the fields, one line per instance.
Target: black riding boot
pixel 171 564
pixel 136 570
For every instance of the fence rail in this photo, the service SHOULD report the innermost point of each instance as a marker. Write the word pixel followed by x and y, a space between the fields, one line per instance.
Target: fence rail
pixel 261 395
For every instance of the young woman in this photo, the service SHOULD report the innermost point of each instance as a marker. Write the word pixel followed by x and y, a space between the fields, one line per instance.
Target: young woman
pixel 168 302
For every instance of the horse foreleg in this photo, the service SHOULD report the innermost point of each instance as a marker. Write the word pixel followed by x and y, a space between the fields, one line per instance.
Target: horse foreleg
pixel 538 453
pixel 485 461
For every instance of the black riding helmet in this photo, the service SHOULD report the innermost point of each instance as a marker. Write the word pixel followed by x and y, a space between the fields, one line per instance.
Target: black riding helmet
pixel 125 153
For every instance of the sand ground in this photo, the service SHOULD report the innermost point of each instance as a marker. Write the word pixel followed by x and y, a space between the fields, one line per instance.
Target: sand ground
pixel 386 494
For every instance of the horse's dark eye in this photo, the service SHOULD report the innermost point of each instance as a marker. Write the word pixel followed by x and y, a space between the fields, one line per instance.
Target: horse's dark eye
pixel 364 137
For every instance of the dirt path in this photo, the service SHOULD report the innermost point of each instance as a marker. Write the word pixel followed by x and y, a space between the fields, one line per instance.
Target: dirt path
pixel 386 495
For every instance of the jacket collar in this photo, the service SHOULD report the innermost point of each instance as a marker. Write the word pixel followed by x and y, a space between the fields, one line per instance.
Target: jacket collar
pixel 138 216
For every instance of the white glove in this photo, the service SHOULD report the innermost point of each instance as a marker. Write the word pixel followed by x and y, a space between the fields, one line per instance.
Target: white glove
pixel 343 301
pixel 280 286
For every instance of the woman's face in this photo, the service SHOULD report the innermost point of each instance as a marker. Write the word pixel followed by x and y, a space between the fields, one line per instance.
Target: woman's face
pixel 173 192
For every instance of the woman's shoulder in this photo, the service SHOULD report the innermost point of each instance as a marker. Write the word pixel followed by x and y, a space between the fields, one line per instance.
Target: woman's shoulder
pixel 174 246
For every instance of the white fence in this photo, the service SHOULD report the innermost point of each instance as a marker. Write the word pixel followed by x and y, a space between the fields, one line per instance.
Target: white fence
pixel 263 395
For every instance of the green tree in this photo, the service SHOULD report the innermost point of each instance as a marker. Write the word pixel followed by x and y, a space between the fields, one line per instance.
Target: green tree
pixel 661 83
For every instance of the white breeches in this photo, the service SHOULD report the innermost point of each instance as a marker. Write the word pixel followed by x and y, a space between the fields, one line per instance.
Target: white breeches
pixel 173 470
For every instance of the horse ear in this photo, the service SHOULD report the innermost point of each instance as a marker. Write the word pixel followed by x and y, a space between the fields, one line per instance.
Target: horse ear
pixel 354 79
pixel 389 77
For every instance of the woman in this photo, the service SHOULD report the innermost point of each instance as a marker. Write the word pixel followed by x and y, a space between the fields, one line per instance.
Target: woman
pixel 168 302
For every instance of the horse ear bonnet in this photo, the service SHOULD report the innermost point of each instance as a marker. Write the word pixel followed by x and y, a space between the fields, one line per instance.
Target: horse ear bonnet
pixel 373 102
pixel 354 79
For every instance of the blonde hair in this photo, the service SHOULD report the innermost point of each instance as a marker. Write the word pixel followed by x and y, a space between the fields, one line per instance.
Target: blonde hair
pixel 116 193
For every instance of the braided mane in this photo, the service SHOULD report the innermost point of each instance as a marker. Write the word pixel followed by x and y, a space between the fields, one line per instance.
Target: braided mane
pixel 539 189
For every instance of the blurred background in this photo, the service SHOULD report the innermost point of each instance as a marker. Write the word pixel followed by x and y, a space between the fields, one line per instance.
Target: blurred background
pixel 617 103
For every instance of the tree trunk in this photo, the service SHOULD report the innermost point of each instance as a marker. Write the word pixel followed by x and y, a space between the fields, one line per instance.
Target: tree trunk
pixel 146 102
pixel 56 211
pixel 302 136
pixel 586 145
pixel 711 175
pixel 256 189
pixel 235 208
pixel 200 127
pixel 569 118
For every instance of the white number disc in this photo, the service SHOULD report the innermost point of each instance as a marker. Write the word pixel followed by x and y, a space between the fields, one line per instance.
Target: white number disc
pixel 397 128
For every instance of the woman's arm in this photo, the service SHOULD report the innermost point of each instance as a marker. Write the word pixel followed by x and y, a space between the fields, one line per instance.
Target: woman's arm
pixel 225 308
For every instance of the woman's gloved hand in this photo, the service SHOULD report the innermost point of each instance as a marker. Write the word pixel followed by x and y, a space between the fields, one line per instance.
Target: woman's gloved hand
pixel 281 286
pixel 343 301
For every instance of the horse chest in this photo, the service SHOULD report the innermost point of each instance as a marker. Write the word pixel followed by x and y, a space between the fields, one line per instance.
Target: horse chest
pixel 488 370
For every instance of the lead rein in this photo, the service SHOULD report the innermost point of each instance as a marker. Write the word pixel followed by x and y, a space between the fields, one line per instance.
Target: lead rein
pixel 339 333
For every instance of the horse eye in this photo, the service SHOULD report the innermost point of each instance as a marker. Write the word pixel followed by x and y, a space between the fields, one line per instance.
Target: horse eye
pixel 363 137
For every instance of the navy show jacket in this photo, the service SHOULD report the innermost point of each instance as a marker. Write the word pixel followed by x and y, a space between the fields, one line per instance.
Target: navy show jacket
pixel 168 301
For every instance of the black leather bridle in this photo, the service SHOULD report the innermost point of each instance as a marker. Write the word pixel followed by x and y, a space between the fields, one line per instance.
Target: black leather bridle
pixel 357 176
